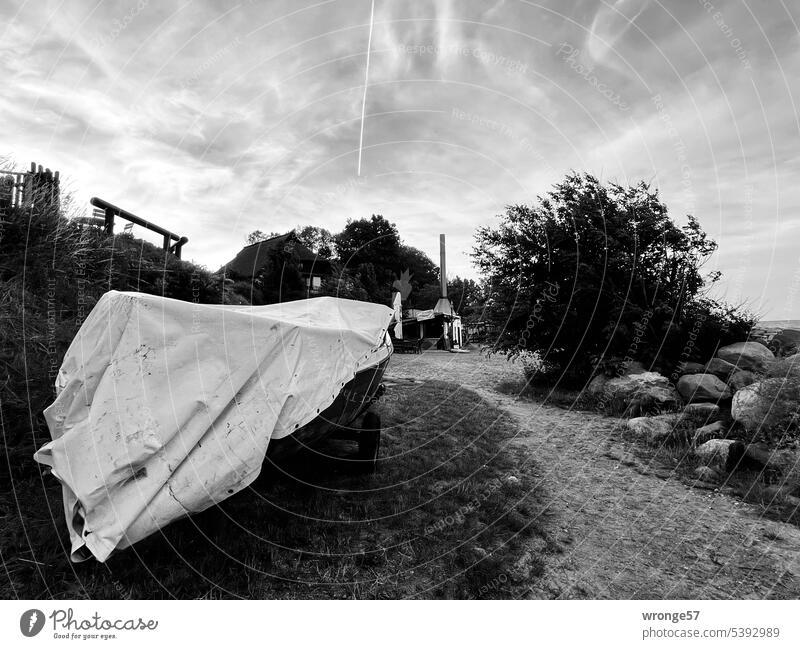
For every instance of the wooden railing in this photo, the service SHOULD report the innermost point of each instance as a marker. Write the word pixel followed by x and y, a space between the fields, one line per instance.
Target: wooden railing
pixel 112 211
pixel 37 187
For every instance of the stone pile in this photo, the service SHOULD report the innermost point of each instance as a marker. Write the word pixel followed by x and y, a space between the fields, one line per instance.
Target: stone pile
pixel 705 402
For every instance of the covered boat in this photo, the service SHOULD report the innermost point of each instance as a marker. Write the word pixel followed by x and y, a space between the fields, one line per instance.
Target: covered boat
pixel 165 408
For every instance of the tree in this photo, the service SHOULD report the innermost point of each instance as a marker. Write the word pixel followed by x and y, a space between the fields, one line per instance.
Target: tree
pixel 593 272
pixel 467 298
pixel 257 235
pixel 423 273
pixel 318 240
pixel 370 250
pixel 373 240
pixel 279 279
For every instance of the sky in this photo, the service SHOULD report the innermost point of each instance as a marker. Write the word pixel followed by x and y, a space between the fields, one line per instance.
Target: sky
pixel 215 119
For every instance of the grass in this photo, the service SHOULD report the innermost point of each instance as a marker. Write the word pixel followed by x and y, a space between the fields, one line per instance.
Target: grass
pixel 449 514
pixel 547 395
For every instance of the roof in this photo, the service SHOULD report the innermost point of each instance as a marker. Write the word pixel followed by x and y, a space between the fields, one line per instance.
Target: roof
pixel 252 258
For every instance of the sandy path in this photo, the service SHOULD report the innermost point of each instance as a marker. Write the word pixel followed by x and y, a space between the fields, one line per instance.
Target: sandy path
pixel 627 529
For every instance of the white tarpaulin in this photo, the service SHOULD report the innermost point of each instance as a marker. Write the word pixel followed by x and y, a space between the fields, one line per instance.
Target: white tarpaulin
pixel 165 407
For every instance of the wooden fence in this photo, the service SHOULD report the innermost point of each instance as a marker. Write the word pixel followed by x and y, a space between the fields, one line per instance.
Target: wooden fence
pixel 38 187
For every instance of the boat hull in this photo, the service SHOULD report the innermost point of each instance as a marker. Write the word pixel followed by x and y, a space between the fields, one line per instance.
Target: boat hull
pixel 338 419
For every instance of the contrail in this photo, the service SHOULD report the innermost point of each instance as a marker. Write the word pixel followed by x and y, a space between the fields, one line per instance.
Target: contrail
pixel 366 81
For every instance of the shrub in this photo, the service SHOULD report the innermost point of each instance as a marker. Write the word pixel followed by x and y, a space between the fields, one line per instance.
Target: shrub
pixel 593 271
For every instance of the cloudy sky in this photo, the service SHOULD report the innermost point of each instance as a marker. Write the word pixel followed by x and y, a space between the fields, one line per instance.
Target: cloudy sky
pixel 214 118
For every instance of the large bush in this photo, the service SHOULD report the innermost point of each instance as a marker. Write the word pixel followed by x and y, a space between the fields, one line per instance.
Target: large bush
pixel 595 273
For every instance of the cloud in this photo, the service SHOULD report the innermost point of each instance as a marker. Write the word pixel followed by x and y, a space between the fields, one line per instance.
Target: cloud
pixel 610 24
pixel 215 121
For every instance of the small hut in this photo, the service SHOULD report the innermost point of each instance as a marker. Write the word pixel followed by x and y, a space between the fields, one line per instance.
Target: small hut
pixel 440 326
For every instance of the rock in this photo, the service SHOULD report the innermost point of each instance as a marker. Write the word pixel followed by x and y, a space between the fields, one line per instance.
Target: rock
pixel 648 390
pixel 708 432
pixel 741 379
pixel 750 405
pixel 762 455
pixel 597 384
pixel 706 474
pixel 690 368
pixel 702 387
pixel 746 406
pixel 735 456
pixel 786 342
pixel 794 359
pixel 654 430
pixel 706 412
pixel 720 368
pixel 714 452
pixel 751 356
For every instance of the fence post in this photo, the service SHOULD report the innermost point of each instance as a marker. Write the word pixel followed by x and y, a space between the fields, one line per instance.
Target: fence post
pixel 109 221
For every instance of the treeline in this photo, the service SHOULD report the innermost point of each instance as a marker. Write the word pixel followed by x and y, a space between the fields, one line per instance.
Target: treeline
pixel 367 259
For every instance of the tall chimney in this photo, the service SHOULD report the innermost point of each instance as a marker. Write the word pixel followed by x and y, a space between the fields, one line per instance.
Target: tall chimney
pixel 442 267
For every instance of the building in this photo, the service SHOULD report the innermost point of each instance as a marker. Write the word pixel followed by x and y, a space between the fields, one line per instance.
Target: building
pixel 251 259
pixel 437 327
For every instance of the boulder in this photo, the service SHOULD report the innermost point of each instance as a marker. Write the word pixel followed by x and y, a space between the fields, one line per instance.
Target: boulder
pixel 741 379
pixel 706 412
pixel 714 452
pixel 653 430
pixel 597 384
pixel 751 356
pixel 647 390
pixel 702 387
pixel 690 368
pixel 747 407
pixel 794 359
pixel 708 432
pixel 785 342
pixel 751 404
pixel 720 368
pixel 761 457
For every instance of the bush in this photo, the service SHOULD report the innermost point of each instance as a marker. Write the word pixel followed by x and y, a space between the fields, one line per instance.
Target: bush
pixel 593 271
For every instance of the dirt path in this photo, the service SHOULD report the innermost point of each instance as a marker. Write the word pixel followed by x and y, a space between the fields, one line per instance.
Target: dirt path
pixel 628 529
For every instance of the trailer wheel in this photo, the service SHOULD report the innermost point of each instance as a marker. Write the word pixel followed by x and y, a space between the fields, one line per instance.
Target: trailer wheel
pixel 369 442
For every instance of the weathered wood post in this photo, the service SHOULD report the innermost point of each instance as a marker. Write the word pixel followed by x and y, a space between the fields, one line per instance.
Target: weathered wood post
pixel 109 226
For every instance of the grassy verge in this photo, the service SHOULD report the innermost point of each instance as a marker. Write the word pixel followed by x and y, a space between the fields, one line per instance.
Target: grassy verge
pixel 551 396
pixel 450 513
